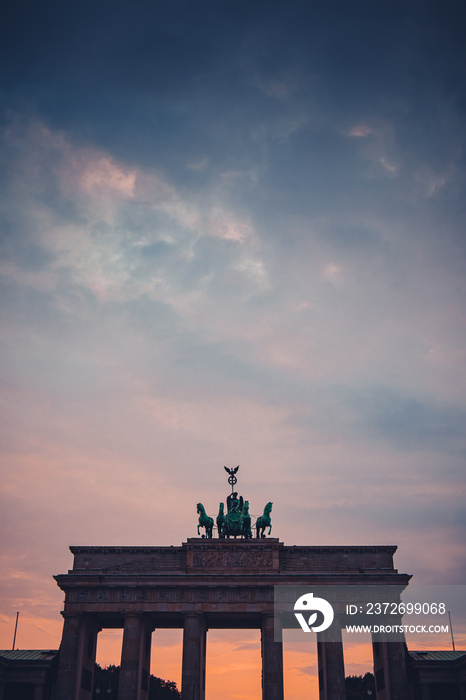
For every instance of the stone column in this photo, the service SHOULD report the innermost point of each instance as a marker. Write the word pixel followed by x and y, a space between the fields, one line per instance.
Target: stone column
pixel 38 692
pixel 89 632
pixel 272 661
pixel 396 655
pixel 135 659
pixel 425 692
pixel 68 658
pixel 331 663
pixel 391 679
pixel 194 654
pixel 77 657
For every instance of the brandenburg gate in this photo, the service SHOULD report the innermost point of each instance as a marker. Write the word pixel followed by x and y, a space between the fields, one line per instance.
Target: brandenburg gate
pixel 209 583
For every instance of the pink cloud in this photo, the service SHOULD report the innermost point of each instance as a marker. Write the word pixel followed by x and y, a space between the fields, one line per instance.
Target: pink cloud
pixel 103 174
pixel 361 131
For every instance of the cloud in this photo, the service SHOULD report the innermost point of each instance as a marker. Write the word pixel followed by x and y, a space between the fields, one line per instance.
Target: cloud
pixel 135 233
pixel 333 273
pixel 102 175
pixel 231 242
pixel 388 166
pixel 199 165
pixel 360 131
pixel 412 422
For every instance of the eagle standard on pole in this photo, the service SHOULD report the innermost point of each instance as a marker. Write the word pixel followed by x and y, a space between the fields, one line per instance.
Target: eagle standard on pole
pixel 232 478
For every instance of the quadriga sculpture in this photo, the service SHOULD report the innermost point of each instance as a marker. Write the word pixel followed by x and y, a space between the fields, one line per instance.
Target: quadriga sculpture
pixel 237 521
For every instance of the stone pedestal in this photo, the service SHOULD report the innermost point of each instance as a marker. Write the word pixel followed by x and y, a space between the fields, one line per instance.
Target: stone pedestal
pixel 194 657
pixel 331 664
pixel 272 661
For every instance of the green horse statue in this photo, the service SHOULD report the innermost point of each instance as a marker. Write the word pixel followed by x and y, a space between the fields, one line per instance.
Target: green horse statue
pixel 204 521
pixel 246 522
pixel 221 521
pixel 264 521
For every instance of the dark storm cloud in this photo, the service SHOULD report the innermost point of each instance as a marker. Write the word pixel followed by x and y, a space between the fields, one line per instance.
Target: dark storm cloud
pixel 207 76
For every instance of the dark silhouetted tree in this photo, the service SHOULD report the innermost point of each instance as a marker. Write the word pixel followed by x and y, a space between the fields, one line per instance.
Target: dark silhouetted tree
pixel 106 685
pixel 360 687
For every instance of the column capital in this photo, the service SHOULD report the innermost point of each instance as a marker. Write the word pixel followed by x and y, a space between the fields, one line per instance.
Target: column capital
pixel 141 617
pixel 266 614
pixel 331 635
pixel 68 615
pixel 195 620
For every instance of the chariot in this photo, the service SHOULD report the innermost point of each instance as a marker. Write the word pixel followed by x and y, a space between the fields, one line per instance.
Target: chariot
pixel 236 522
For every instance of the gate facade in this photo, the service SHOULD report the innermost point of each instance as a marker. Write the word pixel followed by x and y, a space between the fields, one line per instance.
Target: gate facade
pixel 211 583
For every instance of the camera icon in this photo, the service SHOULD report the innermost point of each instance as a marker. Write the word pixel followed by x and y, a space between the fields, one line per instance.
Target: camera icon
pixel 307 603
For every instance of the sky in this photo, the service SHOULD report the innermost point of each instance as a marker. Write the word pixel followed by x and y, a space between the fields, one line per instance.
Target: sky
pixel 231 233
